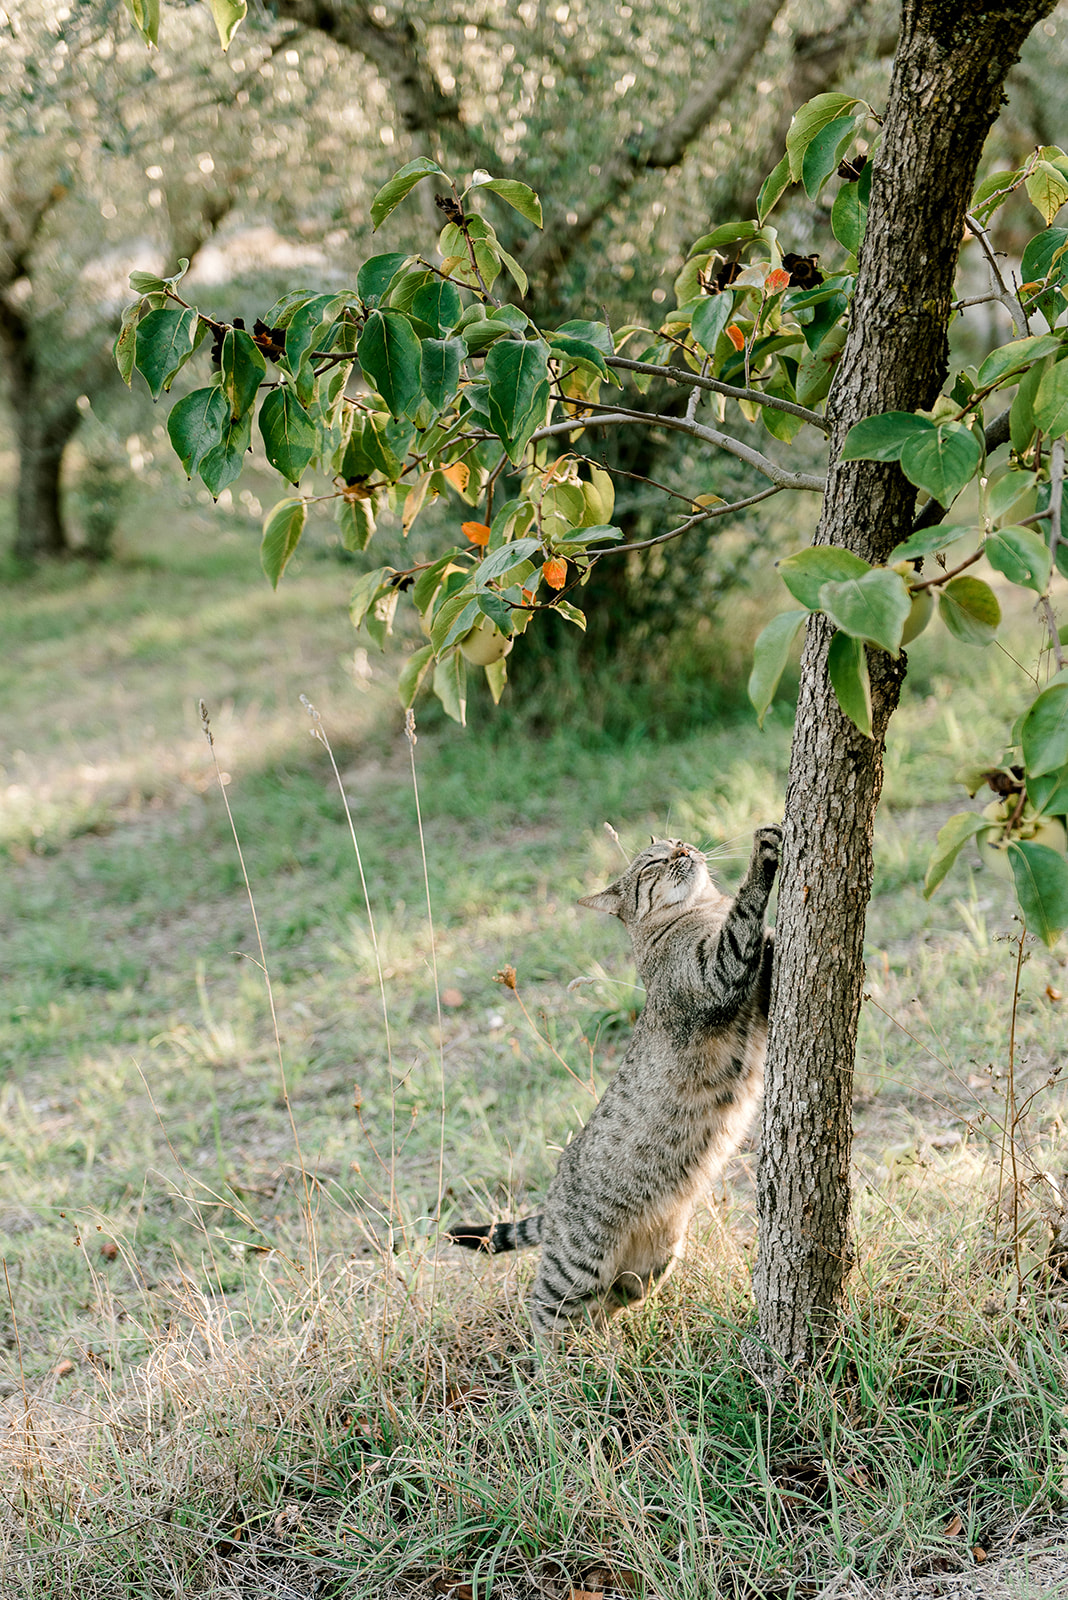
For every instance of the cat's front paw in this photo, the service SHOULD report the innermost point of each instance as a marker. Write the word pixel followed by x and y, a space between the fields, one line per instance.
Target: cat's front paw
pixel 767 848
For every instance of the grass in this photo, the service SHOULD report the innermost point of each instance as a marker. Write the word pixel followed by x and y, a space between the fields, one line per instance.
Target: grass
pixel 233 1360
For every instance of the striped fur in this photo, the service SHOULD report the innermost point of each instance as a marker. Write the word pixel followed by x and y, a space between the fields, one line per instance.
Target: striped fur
pixel 682 1101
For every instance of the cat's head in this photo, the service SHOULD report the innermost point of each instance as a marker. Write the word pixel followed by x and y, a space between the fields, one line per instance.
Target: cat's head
pixel 667 875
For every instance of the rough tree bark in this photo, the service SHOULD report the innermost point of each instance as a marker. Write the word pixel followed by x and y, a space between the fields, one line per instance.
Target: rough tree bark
pixel 945 94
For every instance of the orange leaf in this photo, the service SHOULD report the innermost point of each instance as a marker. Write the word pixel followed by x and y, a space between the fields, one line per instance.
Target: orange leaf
pixel 736 336
pixel 978 1553
pixel 457 474
pixel 477 532
pixel 554 571
pixel 528 600
pixel 779 279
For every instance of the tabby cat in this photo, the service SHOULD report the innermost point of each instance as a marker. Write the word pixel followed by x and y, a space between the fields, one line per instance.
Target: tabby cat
pixel 681 1102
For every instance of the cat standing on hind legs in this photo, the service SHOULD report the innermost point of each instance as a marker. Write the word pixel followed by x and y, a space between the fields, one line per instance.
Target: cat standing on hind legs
pixel 681 1102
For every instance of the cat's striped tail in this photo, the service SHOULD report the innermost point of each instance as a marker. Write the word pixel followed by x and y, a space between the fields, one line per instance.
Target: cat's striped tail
pixel 496 1236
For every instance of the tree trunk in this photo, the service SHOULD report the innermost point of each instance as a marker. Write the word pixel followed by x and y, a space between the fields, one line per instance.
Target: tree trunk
pixel 39 527
pixel 945 94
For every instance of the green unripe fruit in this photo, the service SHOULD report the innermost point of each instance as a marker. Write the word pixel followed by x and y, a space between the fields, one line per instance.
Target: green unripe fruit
pixel 922 605
pixel 993 844
pixel 484 644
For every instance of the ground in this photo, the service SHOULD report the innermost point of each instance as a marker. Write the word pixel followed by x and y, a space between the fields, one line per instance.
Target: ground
pixel 229 1339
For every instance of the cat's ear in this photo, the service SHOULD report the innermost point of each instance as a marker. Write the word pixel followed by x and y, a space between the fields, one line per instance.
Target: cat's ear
pixel 610 900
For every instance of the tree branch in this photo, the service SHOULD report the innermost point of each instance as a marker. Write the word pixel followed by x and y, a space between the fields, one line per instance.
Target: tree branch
pixel 696 430
pixel 694 380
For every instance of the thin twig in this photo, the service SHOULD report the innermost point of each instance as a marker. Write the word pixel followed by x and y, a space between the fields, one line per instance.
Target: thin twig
pixel 732 391
pixel 706 515
pixel 619 416
pixel 944 577
pixel 1000 289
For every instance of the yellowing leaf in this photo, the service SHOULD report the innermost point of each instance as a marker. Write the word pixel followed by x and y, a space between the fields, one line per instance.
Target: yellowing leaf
pixel 458 475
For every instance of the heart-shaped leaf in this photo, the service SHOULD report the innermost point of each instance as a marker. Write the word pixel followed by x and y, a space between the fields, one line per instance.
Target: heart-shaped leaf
pixel 942 462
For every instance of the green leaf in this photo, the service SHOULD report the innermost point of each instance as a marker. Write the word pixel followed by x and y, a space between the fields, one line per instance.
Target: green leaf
pixel 429 581
pixel 1044 732
pixel 450 686
pixel 438 304
pixel 197 424
pixel 413 672
pixel 390 355
pixel 223 462
pixel 125 347
pixel 376 275
pixel 518 195
pixel 1047 189
pixel 883 438
pixel 1016 356
pixel 515 372
pixel 496 677
pixel 501 561
pixel 145 14
pixel 874 607
pixel 571 613
pixel 969 608
pixel 726 233
pixel 165 340
pixel 366 591
pixel 595 333
pixel 439 370
pixel 824 152
pixel 1048 792
pixel 942 462
pixel 1051 401
pixel 849 218
pixel 147 283
pixel 282 528
pixel 304 326
pixel 378 620
pixel 952 837
pixel 847 668
pixel 289 435
pixel 1022 411
pixel 356 519
pixel 811 120
pixel 229 15
pixel 925 541
pixel 1041 876
pixel 770 656
pixel 805 573
pixel 243 370
pixel 710 320
pixel 1022 556
pixel 403 182
pixel 1045 256
pixel 500 614
pixel 773 188
pixel 562 347
pixel 991 192
pixel 816 369
pixel 454 617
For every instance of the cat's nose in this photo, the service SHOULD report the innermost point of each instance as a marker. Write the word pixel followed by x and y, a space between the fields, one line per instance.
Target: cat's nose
pixel 680 850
